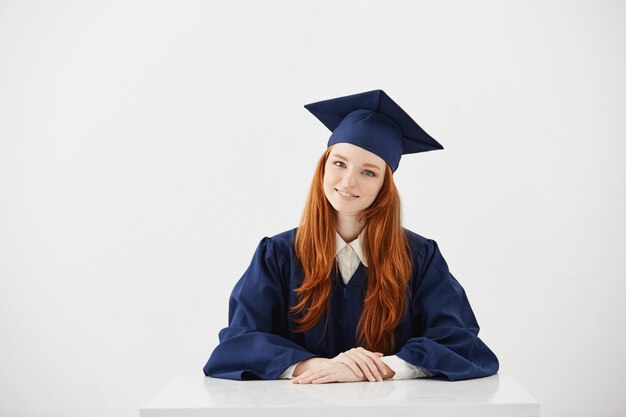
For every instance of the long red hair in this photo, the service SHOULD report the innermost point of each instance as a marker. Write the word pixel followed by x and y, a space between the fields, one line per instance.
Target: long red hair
pixel 389 263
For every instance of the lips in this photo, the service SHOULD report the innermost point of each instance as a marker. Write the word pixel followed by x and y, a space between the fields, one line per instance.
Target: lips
pixel 346 194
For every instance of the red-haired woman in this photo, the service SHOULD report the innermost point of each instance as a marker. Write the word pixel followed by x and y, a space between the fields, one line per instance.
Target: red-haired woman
pixel 350 295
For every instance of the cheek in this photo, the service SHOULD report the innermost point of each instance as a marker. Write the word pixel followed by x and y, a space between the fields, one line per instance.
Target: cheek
pixel 327 183
pixel 329 178
pixel 374 189
pixel 326 180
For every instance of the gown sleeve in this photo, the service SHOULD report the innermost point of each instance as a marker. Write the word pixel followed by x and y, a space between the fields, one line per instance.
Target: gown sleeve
pixel 254 345
pixel 446 342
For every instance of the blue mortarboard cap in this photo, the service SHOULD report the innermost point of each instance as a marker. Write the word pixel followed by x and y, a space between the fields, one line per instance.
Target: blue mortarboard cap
pixel 373 121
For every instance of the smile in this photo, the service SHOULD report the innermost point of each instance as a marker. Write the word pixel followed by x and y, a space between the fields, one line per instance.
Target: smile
pixel 346 194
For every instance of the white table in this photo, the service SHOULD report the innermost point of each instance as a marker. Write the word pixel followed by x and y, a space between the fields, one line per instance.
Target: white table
pixel 494 396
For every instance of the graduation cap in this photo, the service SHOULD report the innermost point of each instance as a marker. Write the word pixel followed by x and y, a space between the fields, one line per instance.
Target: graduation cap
pixel 373 121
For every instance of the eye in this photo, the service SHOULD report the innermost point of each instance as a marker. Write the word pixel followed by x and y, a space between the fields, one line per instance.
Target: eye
pixel 340 164
pixel 369 173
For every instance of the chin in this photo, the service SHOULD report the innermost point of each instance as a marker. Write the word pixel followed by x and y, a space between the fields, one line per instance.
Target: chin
pixel 353 211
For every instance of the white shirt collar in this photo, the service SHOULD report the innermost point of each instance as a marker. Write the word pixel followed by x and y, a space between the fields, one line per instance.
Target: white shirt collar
pixel 355 245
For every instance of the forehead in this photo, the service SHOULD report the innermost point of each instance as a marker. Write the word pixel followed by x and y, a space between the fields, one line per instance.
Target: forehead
pixel 356 154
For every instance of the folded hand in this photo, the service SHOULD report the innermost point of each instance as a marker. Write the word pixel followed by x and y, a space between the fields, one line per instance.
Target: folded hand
pixel 357 364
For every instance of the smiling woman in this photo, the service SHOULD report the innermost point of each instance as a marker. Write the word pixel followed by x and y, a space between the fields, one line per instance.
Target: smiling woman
pixel 350 295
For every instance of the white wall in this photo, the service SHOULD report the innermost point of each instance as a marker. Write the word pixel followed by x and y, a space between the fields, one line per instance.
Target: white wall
pixel 146 148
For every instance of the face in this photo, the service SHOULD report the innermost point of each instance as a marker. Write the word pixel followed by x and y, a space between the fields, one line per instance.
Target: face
pixel 352 178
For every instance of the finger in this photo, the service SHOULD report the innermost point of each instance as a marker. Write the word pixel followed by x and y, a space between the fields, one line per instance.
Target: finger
pixel 313 375
pixel 360 360
pixel 303 374
pixel 369 362
pixel 300 378
pixel 306 380
pixel 310 372
pixel 324 380
pixel 349 362
pixel 376 357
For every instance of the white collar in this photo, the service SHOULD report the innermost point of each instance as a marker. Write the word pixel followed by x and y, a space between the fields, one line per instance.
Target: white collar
pixel 355 245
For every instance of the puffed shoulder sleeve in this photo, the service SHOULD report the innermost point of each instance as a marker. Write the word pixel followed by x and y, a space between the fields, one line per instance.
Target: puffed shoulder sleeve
pixel 254 345
pixel 446 342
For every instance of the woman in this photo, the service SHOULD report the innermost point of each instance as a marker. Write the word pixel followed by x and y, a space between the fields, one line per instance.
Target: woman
pixel 350 295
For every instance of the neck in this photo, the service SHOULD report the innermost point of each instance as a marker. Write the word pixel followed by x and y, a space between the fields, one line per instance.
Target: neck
pixel 349 226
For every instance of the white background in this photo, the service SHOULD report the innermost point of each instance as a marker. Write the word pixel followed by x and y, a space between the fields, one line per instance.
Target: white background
pixel 147 147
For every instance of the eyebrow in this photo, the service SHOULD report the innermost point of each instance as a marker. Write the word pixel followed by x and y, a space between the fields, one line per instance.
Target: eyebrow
pixel 336 155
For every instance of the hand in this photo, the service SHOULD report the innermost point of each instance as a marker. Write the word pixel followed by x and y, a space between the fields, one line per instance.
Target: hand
pixel 365 364
pixel 325 370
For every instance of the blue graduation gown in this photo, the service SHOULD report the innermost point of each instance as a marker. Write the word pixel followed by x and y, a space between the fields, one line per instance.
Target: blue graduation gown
pixel 438 332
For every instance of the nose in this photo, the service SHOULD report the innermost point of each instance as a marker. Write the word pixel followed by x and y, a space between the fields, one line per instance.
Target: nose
pixel 349 179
